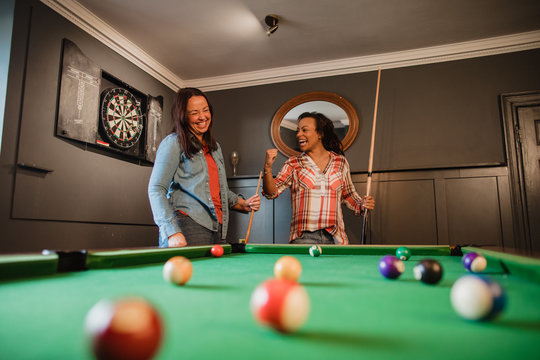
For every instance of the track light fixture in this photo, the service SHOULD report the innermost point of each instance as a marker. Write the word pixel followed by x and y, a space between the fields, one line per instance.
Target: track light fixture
pixel 273 22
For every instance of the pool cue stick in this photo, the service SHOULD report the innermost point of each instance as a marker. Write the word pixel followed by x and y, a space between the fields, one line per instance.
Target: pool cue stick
pixel 370 164
pixel 253 211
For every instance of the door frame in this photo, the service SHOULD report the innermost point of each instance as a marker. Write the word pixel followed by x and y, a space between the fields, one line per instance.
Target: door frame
pixel 509 106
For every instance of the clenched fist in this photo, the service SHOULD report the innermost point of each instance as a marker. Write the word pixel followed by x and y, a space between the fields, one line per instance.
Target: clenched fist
pixel 271 155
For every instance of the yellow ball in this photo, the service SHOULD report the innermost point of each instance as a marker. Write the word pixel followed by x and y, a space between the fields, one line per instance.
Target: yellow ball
pixel 177 270
pixel 288 267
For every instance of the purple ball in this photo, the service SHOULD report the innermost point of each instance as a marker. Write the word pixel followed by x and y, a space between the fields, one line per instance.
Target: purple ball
pixel 474 262
pixel 391 267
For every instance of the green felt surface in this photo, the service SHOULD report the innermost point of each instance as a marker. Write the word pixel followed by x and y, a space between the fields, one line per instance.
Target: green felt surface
pixel 355 312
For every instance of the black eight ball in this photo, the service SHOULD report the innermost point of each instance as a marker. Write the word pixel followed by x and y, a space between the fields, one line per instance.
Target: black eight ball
pixel 428 271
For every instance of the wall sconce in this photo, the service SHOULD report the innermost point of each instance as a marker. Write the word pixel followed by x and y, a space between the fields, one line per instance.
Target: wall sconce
pixel 273 22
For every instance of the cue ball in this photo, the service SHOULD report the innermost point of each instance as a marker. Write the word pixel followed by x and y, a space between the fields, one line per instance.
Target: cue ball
pixel 474 262
pixel 403 253
pixel 128 328
pixel 475 297
pixel 428 271
pixel 287 268
pixel 217 250
pixel 280 304
pixel 391 267
pixel 315 251
pixel 177 270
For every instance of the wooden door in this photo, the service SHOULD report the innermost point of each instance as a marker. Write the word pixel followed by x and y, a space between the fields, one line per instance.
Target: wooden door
pixel 529 138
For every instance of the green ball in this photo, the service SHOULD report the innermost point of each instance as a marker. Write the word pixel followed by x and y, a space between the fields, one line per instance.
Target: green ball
pixel 403 253
pixel 315 250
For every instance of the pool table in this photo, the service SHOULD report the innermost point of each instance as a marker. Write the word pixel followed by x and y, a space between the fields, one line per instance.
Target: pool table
pixel 355 312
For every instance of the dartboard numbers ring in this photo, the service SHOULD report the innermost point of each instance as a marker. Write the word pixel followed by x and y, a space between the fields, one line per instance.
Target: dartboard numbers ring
pixel 121 117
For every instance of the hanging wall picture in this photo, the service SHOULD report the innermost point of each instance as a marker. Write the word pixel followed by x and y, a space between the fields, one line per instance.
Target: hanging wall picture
pixel 79 95
pixel 156 129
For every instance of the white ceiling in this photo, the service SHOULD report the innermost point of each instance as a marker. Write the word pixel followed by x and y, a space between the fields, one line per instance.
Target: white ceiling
pixel 205 42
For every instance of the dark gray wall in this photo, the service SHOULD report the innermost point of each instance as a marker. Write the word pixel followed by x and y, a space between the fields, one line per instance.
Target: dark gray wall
pixel 440 158
pixel 421 207
pixel 430 116
pixel 433 116
pixel 90 200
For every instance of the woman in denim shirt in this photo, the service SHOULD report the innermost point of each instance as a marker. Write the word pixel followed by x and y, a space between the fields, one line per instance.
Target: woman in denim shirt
pixel 188 189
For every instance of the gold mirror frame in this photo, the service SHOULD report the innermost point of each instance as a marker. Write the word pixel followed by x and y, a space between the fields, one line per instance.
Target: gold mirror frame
pixel 313 96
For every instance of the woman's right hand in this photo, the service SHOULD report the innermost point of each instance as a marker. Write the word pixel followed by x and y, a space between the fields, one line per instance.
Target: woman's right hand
pixel 271 155
pixel 177 240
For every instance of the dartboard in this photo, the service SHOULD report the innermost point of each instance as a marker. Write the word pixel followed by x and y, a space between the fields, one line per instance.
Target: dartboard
pixel 121 117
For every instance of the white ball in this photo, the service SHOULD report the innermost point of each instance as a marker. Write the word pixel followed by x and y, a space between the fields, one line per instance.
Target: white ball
pixel 475 298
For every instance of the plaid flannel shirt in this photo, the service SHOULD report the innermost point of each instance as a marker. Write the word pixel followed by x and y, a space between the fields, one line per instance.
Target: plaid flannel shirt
pixel 316 196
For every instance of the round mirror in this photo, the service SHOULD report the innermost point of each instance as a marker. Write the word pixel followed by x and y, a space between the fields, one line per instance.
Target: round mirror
pixel 333 106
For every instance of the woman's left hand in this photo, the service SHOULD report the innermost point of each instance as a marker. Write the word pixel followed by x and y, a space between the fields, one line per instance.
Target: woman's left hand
pixel 369 202
pixel 253 203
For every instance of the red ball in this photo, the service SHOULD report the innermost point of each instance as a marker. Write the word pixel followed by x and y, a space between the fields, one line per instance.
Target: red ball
pixel 130 328
pixel 280 304
pixel 217 250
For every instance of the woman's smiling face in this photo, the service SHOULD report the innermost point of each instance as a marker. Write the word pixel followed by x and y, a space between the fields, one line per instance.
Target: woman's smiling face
pixel 199 115
pixel 307 135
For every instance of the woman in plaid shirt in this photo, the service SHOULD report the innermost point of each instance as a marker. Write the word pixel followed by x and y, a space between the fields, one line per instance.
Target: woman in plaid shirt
pixel 320 180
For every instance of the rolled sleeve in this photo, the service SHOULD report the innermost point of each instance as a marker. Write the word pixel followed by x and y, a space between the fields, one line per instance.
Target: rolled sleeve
pixel 351 198
pixel 283 180
pixel 233 198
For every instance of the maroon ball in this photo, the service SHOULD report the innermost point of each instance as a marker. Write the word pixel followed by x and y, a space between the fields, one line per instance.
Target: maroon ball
pixel 129 328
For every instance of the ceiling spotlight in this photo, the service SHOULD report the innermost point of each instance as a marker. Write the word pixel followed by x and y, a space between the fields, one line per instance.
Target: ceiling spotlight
pixel 272 21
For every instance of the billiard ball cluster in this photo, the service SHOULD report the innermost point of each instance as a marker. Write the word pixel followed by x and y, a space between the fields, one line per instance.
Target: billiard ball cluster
pixel 476 297
pixel 428 271
pixel 473 297
pixel 131 328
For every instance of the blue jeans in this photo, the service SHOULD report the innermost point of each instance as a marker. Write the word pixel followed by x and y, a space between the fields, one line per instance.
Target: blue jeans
pixel 321 237
pixel 194 233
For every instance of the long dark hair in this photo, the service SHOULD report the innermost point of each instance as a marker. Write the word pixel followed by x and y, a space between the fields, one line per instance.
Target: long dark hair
pixel 325 128
pixel 190 144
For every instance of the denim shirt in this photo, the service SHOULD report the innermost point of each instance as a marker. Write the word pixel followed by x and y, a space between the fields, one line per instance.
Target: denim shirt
pixel 179 183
